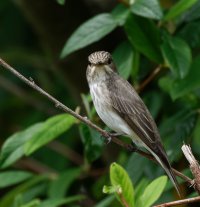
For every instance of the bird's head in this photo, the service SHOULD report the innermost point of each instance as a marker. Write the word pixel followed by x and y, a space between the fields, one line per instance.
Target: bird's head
pixel 99 64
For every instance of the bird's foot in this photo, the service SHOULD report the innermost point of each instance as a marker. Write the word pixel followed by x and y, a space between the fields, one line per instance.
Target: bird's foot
pixel 115 134
pixel 106 140
pixel 110 135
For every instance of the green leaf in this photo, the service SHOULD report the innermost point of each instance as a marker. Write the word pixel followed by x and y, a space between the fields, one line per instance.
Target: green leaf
pixel 12 149
pixel 8 199
pixel 183 120
pixel 136 167
pixel 9 178
pixel 123 58
pixel 89 32
pixel 59 187
pixel 93 143
pixel 181 87
pixel 61 202
pixel 51 129
pixel 177 55
pixel 87 99
pixel 33 137
pixel 193 13
pixel 106 202
pixel 144 36
pixel 139 190
pixel 192 38
pixel 33 203
pixel 61 2
pixel 196 134
pixel 179 8
pixel 149 9
pixel 35 192
pixel 119 177
pixel 166 83
pixel 120 14
pixel 111 189
pixel 153 191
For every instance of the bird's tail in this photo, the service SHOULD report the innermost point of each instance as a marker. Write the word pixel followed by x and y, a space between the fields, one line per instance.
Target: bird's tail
pixel 172 177
pixel 168 169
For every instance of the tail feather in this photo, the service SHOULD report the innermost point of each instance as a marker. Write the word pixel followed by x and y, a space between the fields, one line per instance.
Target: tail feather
pixel 168 169
pixel 172 177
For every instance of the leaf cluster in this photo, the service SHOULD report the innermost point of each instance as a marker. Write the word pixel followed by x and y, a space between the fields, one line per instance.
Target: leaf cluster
pixel 70 159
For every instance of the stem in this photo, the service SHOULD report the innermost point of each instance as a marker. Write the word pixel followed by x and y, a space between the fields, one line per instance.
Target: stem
pixel 194 166
pixel 179 202
pixel 149 78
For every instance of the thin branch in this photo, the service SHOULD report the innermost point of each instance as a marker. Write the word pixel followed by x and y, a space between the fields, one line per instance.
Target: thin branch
pixel 184 177
pixel 149 78
pixel 124 2
pixel 64 108
pixel 180 202
pixel 65 151
pixel 123 200
pixel 34 166
pixel 194 166
pixel 61 106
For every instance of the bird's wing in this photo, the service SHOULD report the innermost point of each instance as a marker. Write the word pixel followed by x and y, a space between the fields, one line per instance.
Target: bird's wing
pixel 127 103
pixel 129 106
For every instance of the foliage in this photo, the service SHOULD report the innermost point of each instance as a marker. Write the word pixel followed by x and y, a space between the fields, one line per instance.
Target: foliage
pixel 123 188
pixel 54 160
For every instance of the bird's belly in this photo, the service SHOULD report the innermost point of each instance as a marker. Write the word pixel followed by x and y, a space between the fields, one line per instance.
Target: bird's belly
pixel 116 123
pixel 107 113
pixel 111 119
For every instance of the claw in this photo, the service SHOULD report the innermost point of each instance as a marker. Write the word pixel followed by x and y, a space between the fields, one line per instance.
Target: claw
pixel 106 140
pixel 116 134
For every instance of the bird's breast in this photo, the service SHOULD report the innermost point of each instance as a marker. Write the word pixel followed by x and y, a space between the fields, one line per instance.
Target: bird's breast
pixel 103 105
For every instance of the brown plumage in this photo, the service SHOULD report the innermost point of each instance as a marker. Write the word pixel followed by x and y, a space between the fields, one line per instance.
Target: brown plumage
pixel 121 108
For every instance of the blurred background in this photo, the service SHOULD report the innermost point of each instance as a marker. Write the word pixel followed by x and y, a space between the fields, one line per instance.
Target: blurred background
pixel 32 37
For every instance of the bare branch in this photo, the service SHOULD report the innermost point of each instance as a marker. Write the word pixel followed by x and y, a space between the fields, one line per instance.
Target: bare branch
pixel 149 78
pixel 180 202
pixel 34 166
pixel 65 151
pixel 194 166
pixel 64 108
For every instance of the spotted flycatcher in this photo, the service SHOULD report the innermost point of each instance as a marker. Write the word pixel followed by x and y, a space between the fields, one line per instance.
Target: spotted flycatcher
pixel 122 110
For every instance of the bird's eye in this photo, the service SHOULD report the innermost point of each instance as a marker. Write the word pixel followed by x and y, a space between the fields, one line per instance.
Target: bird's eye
pixel 109 61
pixel 89 63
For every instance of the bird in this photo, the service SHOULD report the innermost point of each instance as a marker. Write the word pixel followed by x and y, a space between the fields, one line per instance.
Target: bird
pixel 122 110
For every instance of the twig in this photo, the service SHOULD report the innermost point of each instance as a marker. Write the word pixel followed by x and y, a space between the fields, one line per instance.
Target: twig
pixel 66 152
pixel 34 166
pixel 184 177
pixel 149 78
pixel 179 202
pixel 123 200
pixel 194 166
pixel 61 106
pixel 124 2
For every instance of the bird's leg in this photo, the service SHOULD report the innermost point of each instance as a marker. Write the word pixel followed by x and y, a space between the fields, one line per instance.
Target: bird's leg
pixel 106 139
pixel 116 134
pixel 112 134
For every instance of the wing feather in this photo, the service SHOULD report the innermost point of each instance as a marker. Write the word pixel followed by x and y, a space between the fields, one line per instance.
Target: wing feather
pixel 131 108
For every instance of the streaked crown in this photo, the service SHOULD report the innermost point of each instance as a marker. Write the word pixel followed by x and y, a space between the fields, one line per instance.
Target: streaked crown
pixel 100 57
